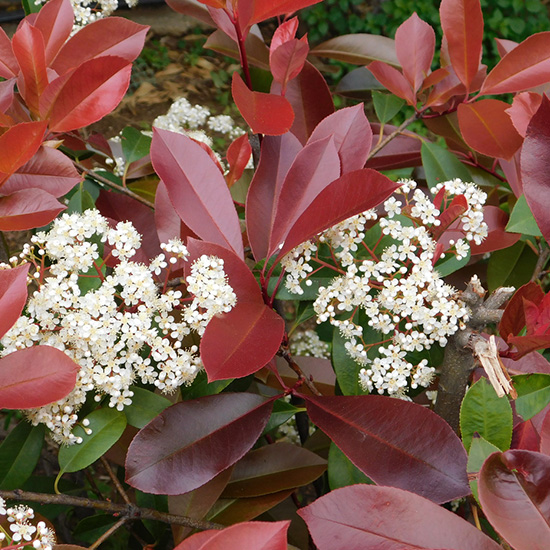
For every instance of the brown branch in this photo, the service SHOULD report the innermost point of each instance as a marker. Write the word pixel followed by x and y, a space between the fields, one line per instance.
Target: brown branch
pixel 113 185
pixel 399 130
pixel 115 481
pixel 544 256
pixel 130 512
pixel 285 354
pixel 107 533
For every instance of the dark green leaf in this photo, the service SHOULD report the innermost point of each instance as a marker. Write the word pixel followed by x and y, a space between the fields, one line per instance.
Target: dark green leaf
pixel 80 201
pixel 440 165
pixel 533 393
pixel 522 220
pixel 145 406
pixel 341 471
pixel 450 264
pixel 135 145
pixel 479 451
pixel 201 387
pixel 386 105
pixel 282 411
pixel 512 266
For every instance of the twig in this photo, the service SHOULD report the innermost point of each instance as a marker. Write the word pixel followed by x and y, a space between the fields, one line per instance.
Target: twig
pixel 108 533
pixel 544 255
pixel 4 252
pixel 285 354
pixel 130 512
pixel 115 481
pixel 394 134
pixel 113 185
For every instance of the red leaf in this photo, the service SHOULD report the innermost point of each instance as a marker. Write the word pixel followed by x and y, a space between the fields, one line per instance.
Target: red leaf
pixel 462 23
pixel 112 36
pixel 310 98
pixel 487 128
pixel 514 490
pixel 241 342
pixel 251 535
pixel 27 209
pixel 288 60
pixel 283 33
pixel 545 435
pixel 315 167
pixel 55 22
pixel 497 237
pixel 458 206
pixel 525 437
pixel 28 48
pixel 191 442
pixel 276 156
pixel 527 344
pixel 504 46
pixel 194 9
pixel 49 170
pixel 524 106
pixel 196 189
pixel 92 91
pixel 369 517
pixel 268 114
pixel 35 376
pixel 392 80
pixel 347 196
pixel 352 136
pixel 524 67
pixel 13 295
pixel 264 9
pixel 238 155
pixel 9 66
pixel 427 458
pixel 535 167
pixel 19 143
pixel 415 48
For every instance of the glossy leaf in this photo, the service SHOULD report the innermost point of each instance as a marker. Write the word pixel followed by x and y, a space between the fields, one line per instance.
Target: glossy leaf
pixel 386 106
pixel 415 48
pixel 9 66
pixel 55 22
pixel 341 471
pixel 265 9
pixel 287 60
pixel 486 414
pixel 173 455
pixel 253 535
pixel 257 51
pixel 19 454
pixel 92 91
pixel 273 468
pixel 13 295
pixel 524 106
pixel 462 23
pixel 441 165
pixel 241 342
pixel 533 394
pixel 196 189
pixel 479 452
pixel 358 49
pixel 514 490
pixel 18 145
pixel 107 426
pixel 526 437
pixel 498 236
pixel 524 67
pixel 512 266
pixel 388 518
pixel 522 220
pixel 488 129
pixel 363 427
pixel 545 435
pixel 145 406
pixel 268 114
pixel 392 80
pixel 238 155
pixel 135 145
pixel 513 318
pixel 35 376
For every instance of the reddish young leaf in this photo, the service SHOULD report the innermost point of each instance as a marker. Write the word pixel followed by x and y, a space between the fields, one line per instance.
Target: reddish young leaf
pixel 9 66
pixel 92 91
pixel 55 22
pixel 238 155
pixel 514 490
pixel 283 33
pixel 315 167
pixel 392 80
pixel 352 136
pixel 276 156
pixel 525 437
pixel 191 442
pixel 524 67
pixel 13 295
pixel 28 48
pixel 347 196
pixel 288 60
pixel 545 435
pixel 504 46
pixel 364 516
pixel 6 101
pixel 462 24
pixel 458 206
pixel 196 189
pixel 310 98
pixel 241 342
pixel 415 48
pixel 19 143
pixel 443 90
pixel 257 51
pixel 512 172
pixel 535 165
pixel 35 376
pixel 251 535
pixel 49 170
pixel 265 9
pixel 523 108
pixel 27 209
pixel 112 36
pixel 268 114
pixel 427 458
pixel 488 129
pixel 497 238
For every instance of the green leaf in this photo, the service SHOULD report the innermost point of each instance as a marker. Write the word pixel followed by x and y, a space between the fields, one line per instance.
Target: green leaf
pixel 486 414
pixel 341 471
pixel 91 528
pixel 282 411
pixel 201 387
pixel 386 106
pixel 145 406
pixel 533 393
pixel 479 451
pixel 346 369
pixel 30 6
pixel 522 220
pixel 154 502
pixel 310 292
pixel 80 201
pixel 304 311
pixel 107 426
pixel 512 266
pixel 135 145
pixel 440 165
pixel 450 264
pixel 19 454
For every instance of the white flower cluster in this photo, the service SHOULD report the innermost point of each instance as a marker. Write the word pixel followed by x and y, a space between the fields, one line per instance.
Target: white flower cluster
pixel 23 532
pixel 308 343
pixel 88 11
pixel 398 288
pixel 121 330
